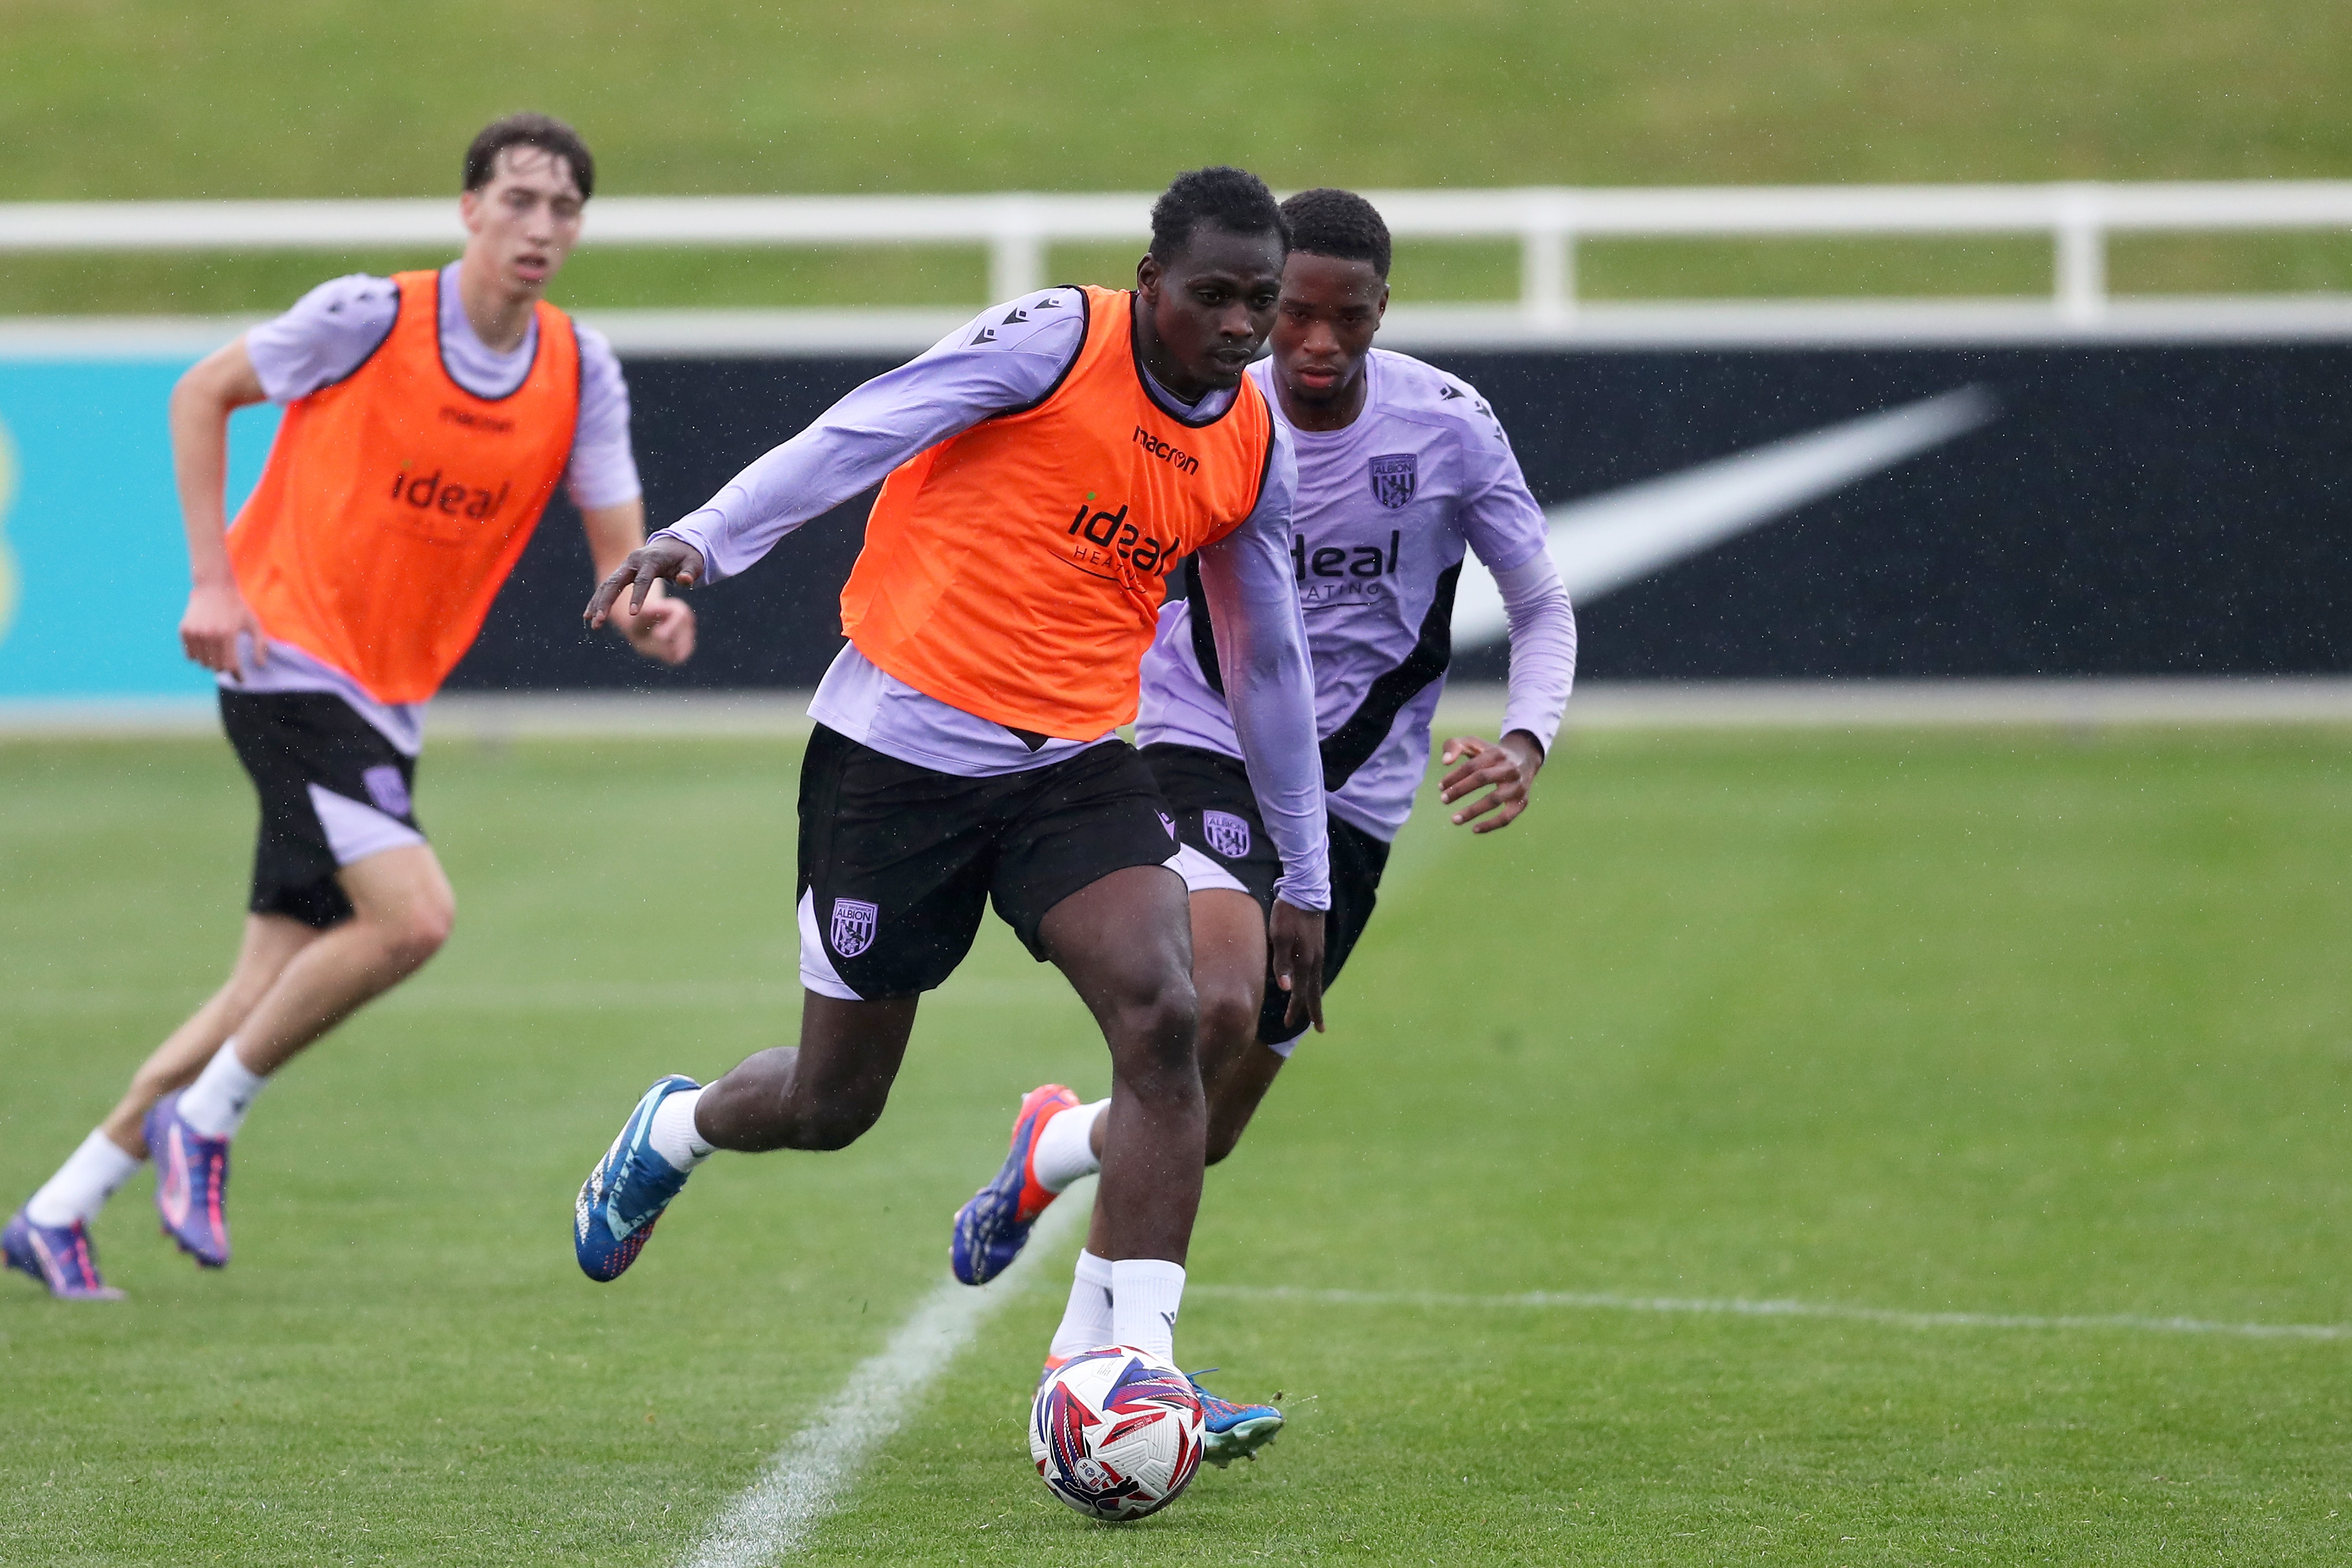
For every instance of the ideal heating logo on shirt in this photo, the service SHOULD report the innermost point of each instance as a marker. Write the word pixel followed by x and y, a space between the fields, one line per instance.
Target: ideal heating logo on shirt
pixel 451 498
pixel 1176 457
pixel 1099 539
pixel 1327 574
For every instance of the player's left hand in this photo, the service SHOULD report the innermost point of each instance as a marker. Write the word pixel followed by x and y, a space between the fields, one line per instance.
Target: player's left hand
pixel 1504 769
pixel 1294 942
pixel 662 631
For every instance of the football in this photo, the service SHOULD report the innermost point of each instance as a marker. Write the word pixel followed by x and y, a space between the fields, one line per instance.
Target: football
pixel 1116 1433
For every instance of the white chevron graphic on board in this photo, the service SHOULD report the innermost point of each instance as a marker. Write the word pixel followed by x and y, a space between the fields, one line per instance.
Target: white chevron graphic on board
pixel 1603 542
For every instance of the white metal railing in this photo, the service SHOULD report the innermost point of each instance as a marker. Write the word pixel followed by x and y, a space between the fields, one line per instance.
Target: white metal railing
pixel 1548 222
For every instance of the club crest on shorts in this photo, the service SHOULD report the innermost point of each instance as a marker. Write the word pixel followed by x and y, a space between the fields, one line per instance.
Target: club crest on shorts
pixel 1227 834
pixel 387 788
pixel 853 926
pixel 1394 479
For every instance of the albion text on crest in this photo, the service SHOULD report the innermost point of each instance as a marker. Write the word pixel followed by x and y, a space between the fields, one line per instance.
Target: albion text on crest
pixel 1395 478
pixel 1227 834
pixel 853 926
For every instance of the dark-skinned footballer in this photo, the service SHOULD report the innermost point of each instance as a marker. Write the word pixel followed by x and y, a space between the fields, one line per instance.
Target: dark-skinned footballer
pixel 1401 469
pixel 1042 471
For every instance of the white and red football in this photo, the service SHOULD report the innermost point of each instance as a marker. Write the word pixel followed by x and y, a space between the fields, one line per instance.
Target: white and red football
pixel 1116 1433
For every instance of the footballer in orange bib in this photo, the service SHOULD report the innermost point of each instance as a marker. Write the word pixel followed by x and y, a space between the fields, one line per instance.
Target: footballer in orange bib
pixel 429 417
pixel 1044 471
pixel 1016 570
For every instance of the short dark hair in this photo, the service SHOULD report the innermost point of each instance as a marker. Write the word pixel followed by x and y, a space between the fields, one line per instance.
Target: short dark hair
pixel 543 131
pixel 1234 199
pixel 1340 224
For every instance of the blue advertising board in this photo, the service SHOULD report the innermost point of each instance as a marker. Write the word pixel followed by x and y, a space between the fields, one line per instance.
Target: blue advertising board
pixel 93 570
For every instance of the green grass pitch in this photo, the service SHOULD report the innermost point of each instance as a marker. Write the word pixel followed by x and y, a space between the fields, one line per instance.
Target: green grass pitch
pixel 1995 1022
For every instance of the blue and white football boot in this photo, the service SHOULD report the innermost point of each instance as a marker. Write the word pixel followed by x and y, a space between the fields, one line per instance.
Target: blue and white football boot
pixel 59 1256
pixel 627 1191
pixel 1232 1431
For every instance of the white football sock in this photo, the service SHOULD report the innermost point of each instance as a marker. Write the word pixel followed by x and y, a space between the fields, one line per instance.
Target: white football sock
pixel 216 1103
pixel 1144 1293
pixel 83 1183
pixel 1086 1321
pixel 672 1136
pixel 1065 1149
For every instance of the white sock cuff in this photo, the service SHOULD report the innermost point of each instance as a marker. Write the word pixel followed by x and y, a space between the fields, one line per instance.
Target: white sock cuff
pixel 1065 1150
pixel 1146 1274
pixel 1086 1320
pixel 216 1103
pixel 1146 1294
pixel 84 1183
pixel 672 1135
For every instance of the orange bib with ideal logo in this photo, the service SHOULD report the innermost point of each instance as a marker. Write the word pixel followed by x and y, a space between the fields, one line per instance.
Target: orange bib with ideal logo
pixel 1016 570
pixel 396 502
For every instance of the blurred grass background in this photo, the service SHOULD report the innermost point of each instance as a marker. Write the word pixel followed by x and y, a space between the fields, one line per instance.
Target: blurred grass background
pixel 332 98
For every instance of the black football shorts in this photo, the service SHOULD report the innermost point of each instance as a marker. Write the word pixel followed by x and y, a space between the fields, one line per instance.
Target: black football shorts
pixel 898 862
pixel 332 789
pixel 1216 816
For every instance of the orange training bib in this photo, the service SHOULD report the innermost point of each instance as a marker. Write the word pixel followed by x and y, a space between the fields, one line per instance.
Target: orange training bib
pixel 396 502
pixel 1016 570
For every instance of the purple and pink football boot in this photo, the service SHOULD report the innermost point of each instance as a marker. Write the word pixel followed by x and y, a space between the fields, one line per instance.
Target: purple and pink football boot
pixel 59 1256
pixel 191 1183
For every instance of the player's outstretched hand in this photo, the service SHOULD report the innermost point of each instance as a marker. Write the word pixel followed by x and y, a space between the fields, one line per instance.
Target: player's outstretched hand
pixel 1504 769
pixel 1294 939
pixel 662 630
pixel 656 561
pixel 217 614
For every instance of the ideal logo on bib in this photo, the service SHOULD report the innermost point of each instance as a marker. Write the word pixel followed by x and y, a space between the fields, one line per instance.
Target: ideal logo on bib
pixel 1098 536
pixel 456 498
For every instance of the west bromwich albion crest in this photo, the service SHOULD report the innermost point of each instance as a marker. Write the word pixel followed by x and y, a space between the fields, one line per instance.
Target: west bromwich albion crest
pixel 1395 478
pixel 853 926
pixel 1227 834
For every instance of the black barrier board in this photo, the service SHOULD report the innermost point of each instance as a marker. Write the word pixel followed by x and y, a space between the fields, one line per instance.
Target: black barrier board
pixel 2128 511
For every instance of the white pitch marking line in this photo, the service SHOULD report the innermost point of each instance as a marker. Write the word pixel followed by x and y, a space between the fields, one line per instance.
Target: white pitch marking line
pixel 806 1478
pixel 1740 1308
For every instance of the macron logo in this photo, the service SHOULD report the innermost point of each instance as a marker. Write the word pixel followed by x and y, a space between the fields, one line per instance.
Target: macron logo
pixel 1175 457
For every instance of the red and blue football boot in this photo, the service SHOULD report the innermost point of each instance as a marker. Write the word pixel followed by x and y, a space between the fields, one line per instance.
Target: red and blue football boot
pixel 191 1183
pixel 59 1256
pixel 991 1230
pixel 627 1191
pixel 1233 1431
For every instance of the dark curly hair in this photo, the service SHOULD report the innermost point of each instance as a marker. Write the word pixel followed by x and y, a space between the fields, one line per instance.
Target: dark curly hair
pixel 1234 199
pixel 1340 224
pixel 543 131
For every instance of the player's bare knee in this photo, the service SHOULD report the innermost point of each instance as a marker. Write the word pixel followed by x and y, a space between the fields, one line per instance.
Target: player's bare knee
pixel 1155 1032
pixel 416 931
pixel 1228 1020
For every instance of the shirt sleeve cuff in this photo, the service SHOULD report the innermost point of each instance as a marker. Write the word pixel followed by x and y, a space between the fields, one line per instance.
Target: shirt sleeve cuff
pixel 694 528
